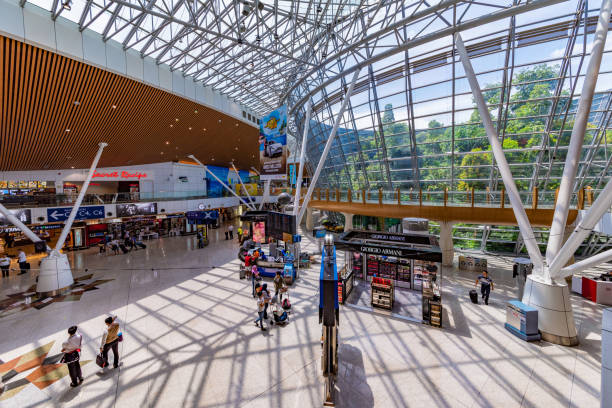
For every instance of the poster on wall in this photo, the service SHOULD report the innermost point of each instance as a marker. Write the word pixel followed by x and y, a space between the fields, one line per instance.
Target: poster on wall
pixel 273 144
pixel 130 210
pixel 259 232
pixel 24 216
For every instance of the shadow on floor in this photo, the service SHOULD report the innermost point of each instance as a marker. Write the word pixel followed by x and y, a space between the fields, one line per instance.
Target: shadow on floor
pixel 352 389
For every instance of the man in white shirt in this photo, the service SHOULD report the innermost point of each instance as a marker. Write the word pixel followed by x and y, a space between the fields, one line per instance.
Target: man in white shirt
pixel 231 232
pixel 23 262
pixel 5 263
pixel 71 349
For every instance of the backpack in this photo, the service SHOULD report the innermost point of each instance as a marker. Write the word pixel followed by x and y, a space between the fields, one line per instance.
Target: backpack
pixel 286 304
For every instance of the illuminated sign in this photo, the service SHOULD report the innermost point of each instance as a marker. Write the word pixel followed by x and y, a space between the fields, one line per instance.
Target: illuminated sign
pixel 120 174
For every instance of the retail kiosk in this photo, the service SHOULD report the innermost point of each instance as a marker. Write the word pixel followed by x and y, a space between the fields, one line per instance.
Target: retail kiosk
pixel 392 262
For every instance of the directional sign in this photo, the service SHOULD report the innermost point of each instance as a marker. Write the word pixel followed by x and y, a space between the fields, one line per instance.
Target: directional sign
pixel 84 213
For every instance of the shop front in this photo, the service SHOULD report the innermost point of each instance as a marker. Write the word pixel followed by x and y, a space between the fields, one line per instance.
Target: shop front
pixel 398 272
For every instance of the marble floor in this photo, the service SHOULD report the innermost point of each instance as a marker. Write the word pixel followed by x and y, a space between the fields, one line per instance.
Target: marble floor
pixel 190 341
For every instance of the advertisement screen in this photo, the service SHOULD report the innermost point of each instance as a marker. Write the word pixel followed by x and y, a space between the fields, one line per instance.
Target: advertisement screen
pixel 130 210
pixel 279 223
pixel 273 144
pixel 259 232
pixel 24 216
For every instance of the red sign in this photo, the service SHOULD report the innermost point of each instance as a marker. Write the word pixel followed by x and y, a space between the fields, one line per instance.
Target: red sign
pixel 123 174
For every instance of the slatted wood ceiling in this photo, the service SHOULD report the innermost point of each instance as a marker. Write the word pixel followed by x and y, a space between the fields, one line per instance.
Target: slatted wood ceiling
pixel 38 89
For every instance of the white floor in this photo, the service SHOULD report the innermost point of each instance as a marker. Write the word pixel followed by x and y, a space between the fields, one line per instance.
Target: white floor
pixel 190 341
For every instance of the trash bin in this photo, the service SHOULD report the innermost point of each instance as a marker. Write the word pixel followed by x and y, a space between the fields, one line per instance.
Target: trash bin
pixel 521 268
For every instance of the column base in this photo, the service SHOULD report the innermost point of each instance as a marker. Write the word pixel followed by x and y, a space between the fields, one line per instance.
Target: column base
pixel 55 274
pixel 555 314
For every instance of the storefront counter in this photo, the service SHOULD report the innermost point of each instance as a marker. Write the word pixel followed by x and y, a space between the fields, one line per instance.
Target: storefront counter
pixel 346 283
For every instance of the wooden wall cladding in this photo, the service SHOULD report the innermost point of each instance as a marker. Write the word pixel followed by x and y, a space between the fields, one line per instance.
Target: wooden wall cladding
pixel 55 111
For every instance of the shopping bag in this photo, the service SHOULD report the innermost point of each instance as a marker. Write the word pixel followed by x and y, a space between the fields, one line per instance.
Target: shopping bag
pixel 120 336
pixel 100 360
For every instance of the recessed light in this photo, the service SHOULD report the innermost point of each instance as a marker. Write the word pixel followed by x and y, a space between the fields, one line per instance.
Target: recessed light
pixel 176 119
pixel 171 125
pixel 72 167
pixel 236 125
pixel 67 130
pixel 213 159
pixel 161 152
pixel 76 103
pixel 167 142
pixel 176 147
pixel 219 120
pixel 189 127
pixel 114 106
pixel 204 129
pixel 195 111
pixel 235 148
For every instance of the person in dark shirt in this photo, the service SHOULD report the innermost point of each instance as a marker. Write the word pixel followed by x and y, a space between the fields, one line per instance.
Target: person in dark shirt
pixel 486 286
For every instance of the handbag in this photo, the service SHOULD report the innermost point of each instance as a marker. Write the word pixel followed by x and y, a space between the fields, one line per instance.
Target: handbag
pixel 100 361
pixel 71 357
pixel 120 336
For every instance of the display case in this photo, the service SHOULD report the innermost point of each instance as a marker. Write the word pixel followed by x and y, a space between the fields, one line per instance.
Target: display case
pixel 357 265
pixel 372 265
pixel 435 313
pixel 346 283
pixel 382 293
pixel 404 274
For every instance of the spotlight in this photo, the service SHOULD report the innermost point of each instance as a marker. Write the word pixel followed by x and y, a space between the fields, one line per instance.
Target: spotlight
pixel 67 5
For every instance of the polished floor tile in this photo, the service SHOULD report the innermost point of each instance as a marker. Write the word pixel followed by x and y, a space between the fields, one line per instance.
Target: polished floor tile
pixel 190 341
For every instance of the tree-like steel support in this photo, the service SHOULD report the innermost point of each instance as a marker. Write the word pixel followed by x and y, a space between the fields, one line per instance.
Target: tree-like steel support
pixel 55 273
pixel 298 183
pixel 327 148
pixel 250 205
pixel 578 132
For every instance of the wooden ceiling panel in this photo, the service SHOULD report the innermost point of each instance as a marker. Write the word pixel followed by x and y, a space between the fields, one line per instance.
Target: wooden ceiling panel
pixel 55 111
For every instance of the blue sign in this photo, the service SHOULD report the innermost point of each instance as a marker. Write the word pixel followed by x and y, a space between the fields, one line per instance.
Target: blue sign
pixel 202 217
pixel 84 213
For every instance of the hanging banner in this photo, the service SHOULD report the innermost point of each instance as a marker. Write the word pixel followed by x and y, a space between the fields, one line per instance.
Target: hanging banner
pixel 273 144
pixel 24 216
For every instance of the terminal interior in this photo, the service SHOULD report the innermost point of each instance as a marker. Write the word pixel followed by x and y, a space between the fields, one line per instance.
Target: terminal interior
pixel 305 203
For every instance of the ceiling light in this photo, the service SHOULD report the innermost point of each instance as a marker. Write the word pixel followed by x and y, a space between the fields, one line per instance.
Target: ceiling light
pixel 167 142
pixel 258 39
pixel 195 111
pixel 236 148
pixel 204 129
pixel 66 5
pixel 72 167
pixel 189 127
pixel 219 120
pixel 114 106
pixel 276 36
pixel 176 119
pixel 319 8
pixel 76 103
pixel 67 130
pixel 236 125
pixel 171 125
pixel 161 152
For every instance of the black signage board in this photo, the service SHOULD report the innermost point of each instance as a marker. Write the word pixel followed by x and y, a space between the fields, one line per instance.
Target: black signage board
pixel 368 242
pixel 253 216
pixel 418 239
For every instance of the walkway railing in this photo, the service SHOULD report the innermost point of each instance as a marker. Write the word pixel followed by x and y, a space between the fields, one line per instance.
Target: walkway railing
pixel 460 198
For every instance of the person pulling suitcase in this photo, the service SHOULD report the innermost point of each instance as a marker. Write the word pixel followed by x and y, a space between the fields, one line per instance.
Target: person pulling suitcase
pixel 486 286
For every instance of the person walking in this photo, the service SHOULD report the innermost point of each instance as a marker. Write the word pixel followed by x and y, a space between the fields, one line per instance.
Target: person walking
pixel 23 262
pixel 226 235
pixel 486 286
pixel 110 340
pixel 72 349
pixel 261 303
pixel 267 297
pixel 239 231
pixel 231 232
pixel 5 263
pixel 278 285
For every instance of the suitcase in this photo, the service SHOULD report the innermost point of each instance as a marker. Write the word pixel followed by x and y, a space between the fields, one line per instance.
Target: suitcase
pixel 242 273
pixel 123 248
pixel 141 245
pixel 474 296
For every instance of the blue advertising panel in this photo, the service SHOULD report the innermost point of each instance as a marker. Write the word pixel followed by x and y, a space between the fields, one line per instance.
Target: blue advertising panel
pixel 273 144
pixel 84 213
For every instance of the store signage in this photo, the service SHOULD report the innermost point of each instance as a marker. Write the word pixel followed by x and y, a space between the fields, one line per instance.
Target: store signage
pixel 24 216
pixel 130 210
pixel 387 237
pixel 84 213
pixel 120 175
pixel 381 251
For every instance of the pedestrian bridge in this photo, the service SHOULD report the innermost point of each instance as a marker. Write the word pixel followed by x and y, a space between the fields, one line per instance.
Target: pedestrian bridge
pixel 472 207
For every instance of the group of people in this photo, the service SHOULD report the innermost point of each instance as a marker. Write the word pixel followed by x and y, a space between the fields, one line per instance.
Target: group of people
pixel 72 349
pixel 264 300
pixel 22 261
pixel 126 244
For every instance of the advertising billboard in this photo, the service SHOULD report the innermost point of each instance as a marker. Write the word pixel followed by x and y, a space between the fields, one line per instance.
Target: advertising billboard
pixel 130 210
pixel 24 216
pixel 273 144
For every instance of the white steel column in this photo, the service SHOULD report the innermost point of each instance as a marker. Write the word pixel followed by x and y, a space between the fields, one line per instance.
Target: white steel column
pixel 606 358
pixel 16 222
pixel 266 194
pixel 55 273
pixel 587 263
pixel 582 230
pixel 502 164
pixel 191 156
pixel 578 132
pixel 298 183
pixel 250 205
pixel 79 200
pixel 328 145
pixel 446 243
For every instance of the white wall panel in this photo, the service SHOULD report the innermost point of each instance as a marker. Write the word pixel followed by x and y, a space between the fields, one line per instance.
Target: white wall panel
pixel 165 77
pixel 11 19
pixel 150 71
pixel 115 57
pixel 38 26
pixel 178 83
pixel 68 38
pixel 94 50
pixel 134 65
pixel 189 88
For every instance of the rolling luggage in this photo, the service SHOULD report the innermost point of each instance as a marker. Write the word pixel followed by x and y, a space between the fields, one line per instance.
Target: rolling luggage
pixel 141 245
pixel 242 272
pixel 124 248
pixel 474 296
